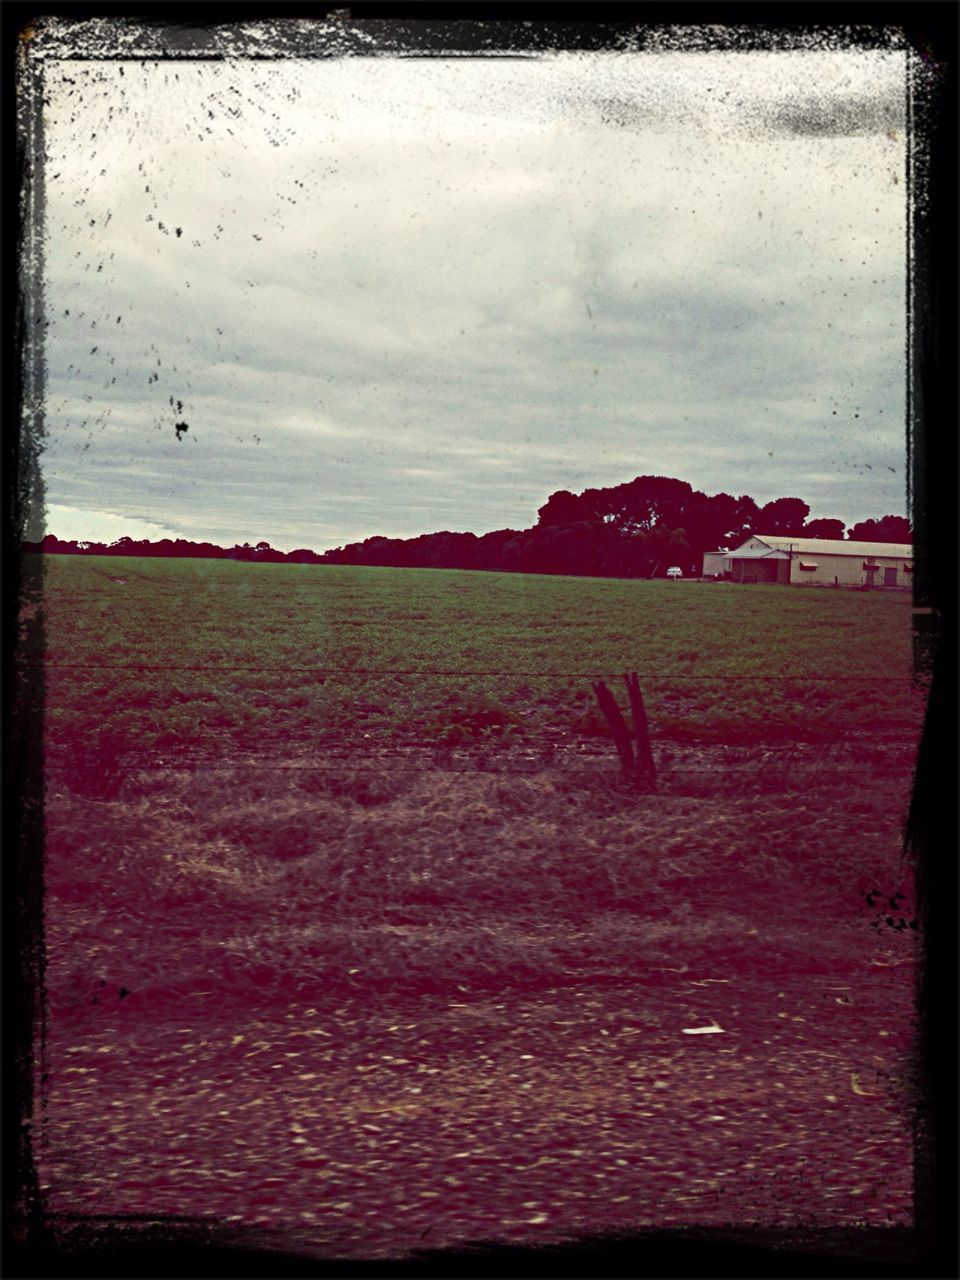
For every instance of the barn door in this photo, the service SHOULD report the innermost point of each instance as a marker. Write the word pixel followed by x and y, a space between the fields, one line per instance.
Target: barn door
pixel 890 577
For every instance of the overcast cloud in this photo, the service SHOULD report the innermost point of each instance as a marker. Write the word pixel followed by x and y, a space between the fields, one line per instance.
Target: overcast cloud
pixel 395 296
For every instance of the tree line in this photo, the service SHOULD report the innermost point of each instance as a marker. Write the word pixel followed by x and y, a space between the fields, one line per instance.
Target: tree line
pixel 183 548
pixel 636 529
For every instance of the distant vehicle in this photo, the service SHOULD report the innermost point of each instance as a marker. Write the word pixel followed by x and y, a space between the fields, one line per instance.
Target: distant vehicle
pixel 674 572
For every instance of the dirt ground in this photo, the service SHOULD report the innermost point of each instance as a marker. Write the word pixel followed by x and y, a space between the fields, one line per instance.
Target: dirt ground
pixel 755 1072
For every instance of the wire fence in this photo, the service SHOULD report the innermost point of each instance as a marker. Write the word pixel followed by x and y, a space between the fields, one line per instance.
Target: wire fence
pixel 786 778
pixel 647 677
pixel 403 754
pixel 507 764
pixel 871 753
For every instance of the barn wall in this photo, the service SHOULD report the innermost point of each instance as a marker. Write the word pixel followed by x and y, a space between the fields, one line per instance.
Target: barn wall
pixel 754 544
pixel 760 569
pixel 844 571
pixel 714 563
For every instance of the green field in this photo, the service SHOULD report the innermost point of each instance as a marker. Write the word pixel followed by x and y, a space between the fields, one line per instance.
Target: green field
pixel 287 653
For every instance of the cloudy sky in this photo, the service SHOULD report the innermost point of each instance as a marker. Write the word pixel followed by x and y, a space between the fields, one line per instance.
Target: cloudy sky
pixel 396 296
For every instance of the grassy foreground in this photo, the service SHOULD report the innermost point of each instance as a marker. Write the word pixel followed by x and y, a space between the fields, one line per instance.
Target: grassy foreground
pixel 254 883
pixel 303 975
pixel 325 856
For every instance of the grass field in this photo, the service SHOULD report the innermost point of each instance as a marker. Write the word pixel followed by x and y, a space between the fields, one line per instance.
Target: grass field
pixel 294 878
pixel 717 663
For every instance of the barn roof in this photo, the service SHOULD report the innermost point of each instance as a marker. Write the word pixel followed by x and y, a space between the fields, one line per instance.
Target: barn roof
pixel 766 552
pixel 836 546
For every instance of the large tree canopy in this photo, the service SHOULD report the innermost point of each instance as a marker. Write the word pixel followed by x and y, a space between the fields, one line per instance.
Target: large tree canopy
pixel 823 529
pixel 886 529
pixel 561 507
pixel 783 516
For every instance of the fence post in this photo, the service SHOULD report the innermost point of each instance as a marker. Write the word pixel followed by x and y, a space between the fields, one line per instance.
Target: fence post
pixel 618 726
pixel 646 768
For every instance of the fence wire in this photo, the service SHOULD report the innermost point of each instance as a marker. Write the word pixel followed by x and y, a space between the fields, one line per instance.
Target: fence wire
pixel 648 677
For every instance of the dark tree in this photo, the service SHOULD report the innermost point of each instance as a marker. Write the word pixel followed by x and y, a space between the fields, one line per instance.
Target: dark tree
pixel 265 553
pixel 600 504
pixel 886 529
pixel 489 549
pixel 823 529
pixel 561 507
pixel 712 522
pixel 585 547
pixel 784 516
pixel 649 501
pixel 747 521
pixel 52 545
pixel 121 547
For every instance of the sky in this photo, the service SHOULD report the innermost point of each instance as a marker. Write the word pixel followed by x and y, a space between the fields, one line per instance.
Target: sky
pixel 393 296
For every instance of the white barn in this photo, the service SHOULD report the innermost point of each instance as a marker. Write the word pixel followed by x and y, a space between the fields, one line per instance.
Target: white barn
pixel 819 562
pixel 716 563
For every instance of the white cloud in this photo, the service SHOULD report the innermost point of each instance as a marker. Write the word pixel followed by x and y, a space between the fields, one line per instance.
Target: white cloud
pixel 68 523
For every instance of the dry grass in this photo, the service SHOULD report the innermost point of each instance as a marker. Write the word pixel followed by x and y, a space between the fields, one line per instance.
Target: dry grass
pixel 257 883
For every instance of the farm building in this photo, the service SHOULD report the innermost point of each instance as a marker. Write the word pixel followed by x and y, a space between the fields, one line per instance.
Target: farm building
pixel 716 563
pixel 818 562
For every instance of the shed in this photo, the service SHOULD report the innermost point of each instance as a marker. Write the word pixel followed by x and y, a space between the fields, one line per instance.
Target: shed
pixel 716 564
pixel 822 562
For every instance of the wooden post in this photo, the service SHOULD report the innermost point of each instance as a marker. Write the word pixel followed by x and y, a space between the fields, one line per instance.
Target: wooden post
pixel 646 768
pixel 618 726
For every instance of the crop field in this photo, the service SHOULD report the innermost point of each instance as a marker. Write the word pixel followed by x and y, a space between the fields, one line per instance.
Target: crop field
pixel 179 654
pixel 357 941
